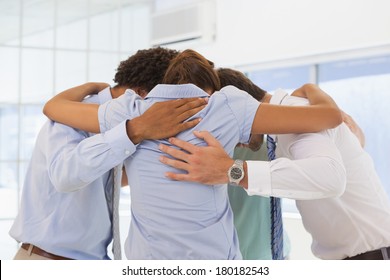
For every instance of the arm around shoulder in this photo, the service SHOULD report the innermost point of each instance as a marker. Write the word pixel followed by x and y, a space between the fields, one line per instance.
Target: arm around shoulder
pixel 82 116
pixel 323 113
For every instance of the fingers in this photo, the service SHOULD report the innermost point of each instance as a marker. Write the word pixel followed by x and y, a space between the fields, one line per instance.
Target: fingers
pixel 190 112
pixel 180 102
pixel 189 124
pixel 189 103
pixel 180 105
pixel 190 148
pixel 345 116
pixel 180 155
pixel 208 138
pixel 174 163
pixel 183 109
pixel 178 177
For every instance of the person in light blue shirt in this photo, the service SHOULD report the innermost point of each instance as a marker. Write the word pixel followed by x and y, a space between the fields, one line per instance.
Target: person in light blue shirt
pixel 168 220
pixel 176 220
pixel 53 216
pixel 65 210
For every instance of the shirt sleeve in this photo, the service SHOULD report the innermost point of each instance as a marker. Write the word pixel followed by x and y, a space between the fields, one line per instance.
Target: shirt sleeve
pixel 244 108
pixel 115 111
pixel 313 169
pixel 75 160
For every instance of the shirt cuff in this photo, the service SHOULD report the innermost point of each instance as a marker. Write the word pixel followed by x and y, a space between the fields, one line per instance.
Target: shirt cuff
pixel 102 117
pixel 119 142
pixel 259 178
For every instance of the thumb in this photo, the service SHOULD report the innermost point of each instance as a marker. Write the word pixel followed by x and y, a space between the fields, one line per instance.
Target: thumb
pixel 208 138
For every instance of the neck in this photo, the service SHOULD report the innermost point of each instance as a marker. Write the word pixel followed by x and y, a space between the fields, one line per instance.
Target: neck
pixel 117 91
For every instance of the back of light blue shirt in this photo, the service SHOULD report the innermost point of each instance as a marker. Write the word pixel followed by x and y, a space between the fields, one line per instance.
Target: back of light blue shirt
pixel 181 220
pixel 64 206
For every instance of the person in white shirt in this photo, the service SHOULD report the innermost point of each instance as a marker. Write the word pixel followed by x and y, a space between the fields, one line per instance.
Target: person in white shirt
pixel 346 221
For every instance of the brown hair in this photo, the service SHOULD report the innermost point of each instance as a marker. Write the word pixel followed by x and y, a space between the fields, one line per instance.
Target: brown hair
pixel 191 67
pixel 239 80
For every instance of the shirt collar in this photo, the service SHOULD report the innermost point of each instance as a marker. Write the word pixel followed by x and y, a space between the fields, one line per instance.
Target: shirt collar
pixel 176 91
pixel 278 96
pixel 105 95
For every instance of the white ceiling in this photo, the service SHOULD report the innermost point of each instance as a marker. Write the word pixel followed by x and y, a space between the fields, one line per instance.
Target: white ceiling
pixel 40 15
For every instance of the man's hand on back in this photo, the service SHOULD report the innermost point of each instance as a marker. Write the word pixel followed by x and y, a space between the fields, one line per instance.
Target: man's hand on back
pixel 165 119
pixel 205 165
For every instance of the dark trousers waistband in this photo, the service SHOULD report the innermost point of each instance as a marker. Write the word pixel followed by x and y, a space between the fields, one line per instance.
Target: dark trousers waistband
pixel 38 251
pixel 379 254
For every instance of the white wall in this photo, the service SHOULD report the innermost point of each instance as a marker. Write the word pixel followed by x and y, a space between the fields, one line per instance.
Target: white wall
pixel 258 31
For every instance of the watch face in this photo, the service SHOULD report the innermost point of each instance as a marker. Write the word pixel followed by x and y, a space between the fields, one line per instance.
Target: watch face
pixel 236 173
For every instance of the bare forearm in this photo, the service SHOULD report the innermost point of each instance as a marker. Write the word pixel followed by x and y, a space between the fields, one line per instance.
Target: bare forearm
pixel 319 98
pixel 77 93
pixel 278 119
pixel 82 116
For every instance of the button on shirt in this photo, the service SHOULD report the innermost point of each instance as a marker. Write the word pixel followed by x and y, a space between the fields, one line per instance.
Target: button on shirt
pixel 338 193
pixel 64 205
pixel 172 219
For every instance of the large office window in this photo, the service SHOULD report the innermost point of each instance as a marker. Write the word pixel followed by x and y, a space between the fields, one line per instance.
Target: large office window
pixel 286 78
pixel 46 47
pixel 361 88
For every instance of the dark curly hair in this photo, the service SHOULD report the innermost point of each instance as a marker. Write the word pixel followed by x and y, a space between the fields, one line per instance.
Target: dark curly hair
pixel 236 78
pixel 145 69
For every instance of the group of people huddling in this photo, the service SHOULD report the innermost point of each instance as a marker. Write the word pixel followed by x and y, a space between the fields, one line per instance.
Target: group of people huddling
pixel 175 121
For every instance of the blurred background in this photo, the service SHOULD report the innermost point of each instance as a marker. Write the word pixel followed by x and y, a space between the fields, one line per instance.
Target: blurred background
pixel 47 46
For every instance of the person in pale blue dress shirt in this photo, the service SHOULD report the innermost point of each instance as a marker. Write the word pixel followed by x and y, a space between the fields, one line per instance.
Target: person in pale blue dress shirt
pixel 65 208
pixel 172 220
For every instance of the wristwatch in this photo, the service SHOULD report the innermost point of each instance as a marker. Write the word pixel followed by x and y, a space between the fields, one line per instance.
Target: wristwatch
pixel 236 172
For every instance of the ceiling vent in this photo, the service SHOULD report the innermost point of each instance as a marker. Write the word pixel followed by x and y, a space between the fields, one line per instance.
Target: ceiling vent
pixel 190 24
